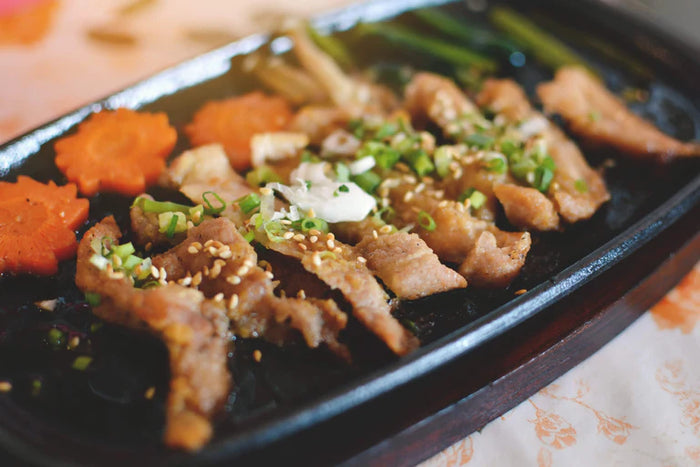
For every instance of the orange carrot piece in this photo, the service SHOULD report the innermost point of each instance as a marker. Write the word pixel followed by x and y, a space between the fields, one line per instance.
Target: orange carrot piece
pixel 36 225
pixel 233 122
pixel 121 151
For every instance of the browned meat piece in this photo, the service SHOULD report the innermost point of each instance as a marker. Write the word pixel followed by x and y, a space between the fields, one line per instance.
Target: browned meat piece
pixel 144 226
pixel 433 97
pixel 221 263
pixel 573 204
pixel 491 265
pixel 458 234
pixel 353 232
pixel 597 116
pixel 526 207
pixel 193 329
pixel 407 266
pixel 338 266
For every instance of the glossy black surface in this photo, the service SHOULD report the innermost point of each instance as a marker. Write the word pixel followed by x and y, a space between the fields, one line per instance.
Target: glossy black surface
pixel 101 415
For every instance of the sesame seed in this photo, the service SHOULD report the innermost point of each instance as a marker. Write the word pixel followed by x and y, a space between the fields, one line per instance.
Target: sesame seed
pixel 408 196
pixel 262 264
pixel 299 237
pixel 213 251
pixel 196 279
pixel 457 173
pixel 192 250
pixel 460 207
pixel 265 191
pixel 375 234
pixel 243 270
pixel 409 179
pixel 311 213
pixel 315 232
pixel 302 247
pixel 385 229
pixel 235 280
pixel 215 271
pixel 5 386
pixel 269 274
pixel 185 281
pixel 225 254
pixel 337 250
pixel 288 235
pixel 442 203
pixel 233 302
pixel 219 297
pixel 420 187
pixel 205 271
pixel 208 243
pixel 250 263
pixel 150 392
pixel 520 292
pixel 316 259
pixel 117 275
pixel 190 225
pixel 148 246
pixel 301 294
pixel 74 342
pixel 257 355
pixel 117 261
pixel 330 236
pixel 313 239
pixel 330 243
pixel 361 259
pixel 285 222
pixel 439 194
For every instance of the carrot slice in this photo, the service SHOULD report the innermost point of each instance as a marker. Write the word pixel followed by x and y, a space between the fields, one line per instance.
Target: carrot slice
pixel 122 151
pixel 36 225
pixel 233 122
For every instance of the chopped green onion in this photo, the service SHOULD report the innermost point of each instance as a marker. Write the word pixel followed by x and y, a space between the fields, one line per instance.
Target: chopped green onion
pixel 548 163
pixel 368 181
pixel 581 185
pixel 82 362
pixel 210 209
pixel 131 262
pixel 443 159
pixel 475 197
pixel 342 172
pixel 55 336
pixel 446 51
pixel 379 218
pixel 386 130
pixel 543 177
pixel 426 221
pixel 172 225
pixel 496 165
pixel 124 250
pixel 249 236
pixel 387 157
pixel 420 162
pixel 508 147
pixel 343 189
pixel 149 205
pixel 307 184
pixel 311 223
pixel 263 175
pixel 249 202
pixel 306 156
pixel 273 230
pixel 36 387
pixel 196 212
pixel 479 140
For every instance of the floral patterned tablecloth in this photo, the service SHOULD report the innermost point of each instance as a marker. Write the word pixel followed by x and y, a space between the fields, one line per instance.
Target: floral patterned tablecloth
pixel 635 402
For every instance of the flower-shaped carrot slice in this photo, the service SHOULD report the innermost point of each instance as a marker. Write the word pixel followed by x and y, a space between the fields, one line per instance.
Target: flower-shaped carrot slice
pixel 122 151
pixel 233 122
pixel 36 225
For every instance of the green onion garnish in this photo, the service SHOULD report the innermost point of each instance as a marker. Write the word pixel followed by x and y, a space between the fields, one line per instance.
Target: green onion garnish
pixel 149 205
pixel 379 216
pixel 55 336
pixel 420 162
pixel 311 223
pixel 82 362
pixel 386 130
pixel 426 221
pixel 263 175
pixel 475 197
pixel 124 250
pixel 343 188
pixel 496 165
pixel 581 185
pixel 508 147
pixel 342 172
pixel 249 236
pixel 479 140
pixel 357 127
pixel 172 225
pixel 131 262
pixel 543 178
pixel 443 159
pixel 273 230
pixel 93 298
pixel 210 209
pixel 368 181
pixel 249 202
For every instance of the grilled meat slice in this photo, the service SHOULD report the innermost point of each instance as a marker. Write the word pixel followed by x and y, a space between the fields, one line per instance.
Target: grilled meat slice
pixel 193 329
pixel 527 208
pixel 222 264
pixel 407 266
pixel 338 266
pixel 505 97
pixel 599 117
pixel 433 97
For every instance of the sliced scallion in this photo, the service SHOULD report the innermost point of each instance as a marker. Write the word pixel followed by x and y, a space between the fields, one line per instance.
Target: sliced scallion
pixel 426 221
pixel 249 203
pixel 311 223
pixel 210 209
pixel 581 185
pixel 368 181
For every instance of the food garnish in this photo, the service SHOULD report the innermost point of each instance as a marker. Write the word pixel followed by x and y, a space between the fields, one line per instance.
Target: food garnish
pixel 37 223
pixel 121 151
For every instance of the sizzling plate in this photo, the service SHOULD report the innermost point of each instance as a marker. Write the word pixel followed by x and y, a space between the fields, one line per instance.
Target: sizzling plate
pixel 100 416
